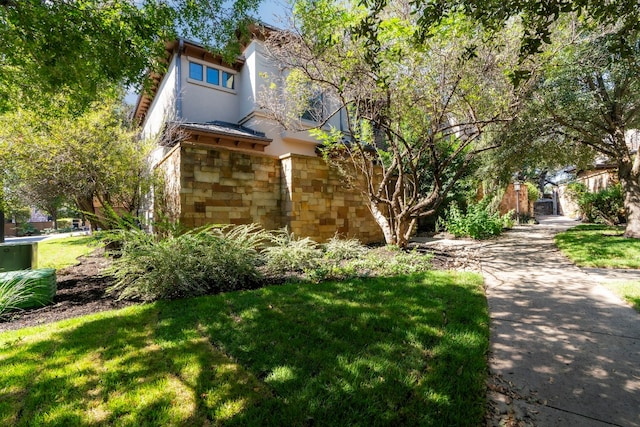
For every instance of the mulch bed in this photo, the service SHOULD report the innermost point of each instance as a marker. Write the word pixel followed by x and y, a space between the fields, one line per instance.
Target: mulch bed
pixel 81 290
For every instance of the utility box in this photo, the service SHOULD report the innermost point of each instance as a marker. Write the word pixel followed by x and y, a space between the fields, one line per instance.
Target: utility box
pixel 20 256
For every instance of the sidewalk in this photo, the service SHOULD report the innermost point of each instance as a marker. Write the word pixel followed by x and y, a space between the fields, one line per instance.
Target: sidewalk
pixel 568 347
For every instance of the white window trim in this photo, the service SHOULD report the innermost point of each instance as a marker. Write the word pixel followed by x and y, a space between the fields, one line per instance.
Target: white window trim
pixel 204 83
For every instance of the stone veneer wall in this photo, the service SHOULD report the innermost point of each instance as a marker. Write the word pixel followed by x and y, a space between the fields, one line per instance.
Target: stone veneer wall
pixel 229 187
pixel 316 202
pixel 219 186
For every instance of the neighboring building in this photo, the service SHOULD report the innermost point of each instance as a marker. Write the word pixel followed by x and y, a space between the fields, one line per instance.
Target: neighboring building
pixel 603 174
pixel 231 163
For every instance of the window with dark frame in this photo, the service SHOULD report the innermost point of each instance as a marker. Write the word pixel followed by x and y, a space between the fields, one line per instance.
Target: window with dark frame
pixel 212 76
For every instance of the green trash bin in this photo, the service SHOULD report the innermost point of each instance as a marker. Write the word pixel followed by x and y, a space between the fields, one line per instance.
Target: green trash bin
pixel 20 256
pixel 41 286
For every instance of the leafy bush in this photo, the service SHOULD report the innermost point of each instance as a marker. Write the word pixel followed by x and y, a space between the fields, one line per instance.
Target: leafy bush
pixel 533 192
pixel 605 206
pixel 478 222
pixel 287 253
pixel 201 261
pixel 65 223
pixel 393 261
pixel 27 229
pixel 343 249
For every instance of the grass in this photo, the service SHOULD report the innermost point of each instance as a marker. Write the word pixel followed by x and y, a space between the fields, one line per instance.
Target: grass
pixel 629 291
pixel 409 350
pixel 64 252
pixel 592 245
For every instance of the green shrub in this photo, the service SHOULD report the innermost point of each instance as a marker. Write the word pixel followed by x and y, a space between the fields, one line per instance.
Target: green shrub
pixel 202 261
pixel 343 249
pixel 391 261
pixel 287 253
pixel 27 229
pixel 478 222
pixel 605 206
pixel 65 223
pixel 533 192
pixel 13 294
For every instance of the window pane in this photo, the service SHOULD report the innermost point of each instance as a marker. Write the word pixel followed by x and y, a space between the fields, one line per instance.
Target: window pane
pixel 315 110
pixel 227 80
pixel 213 76
pixel 195 71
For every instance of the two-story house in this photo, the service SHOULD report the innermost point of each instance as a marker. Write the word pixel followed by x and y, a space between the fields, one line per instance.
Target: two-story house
pixel 223 161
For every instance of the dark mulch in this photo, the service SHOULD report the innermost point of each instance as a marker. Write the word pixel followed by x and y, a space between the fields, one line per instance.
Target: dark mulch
pixel 81 290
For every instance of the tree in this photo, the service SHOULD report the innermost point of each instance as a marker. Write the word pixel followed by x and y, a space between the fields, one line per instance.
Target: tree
pixel 94 157
pixel 537 17
pixel 81 48
pixel 589 99
pixel 77 50
pixel 413 115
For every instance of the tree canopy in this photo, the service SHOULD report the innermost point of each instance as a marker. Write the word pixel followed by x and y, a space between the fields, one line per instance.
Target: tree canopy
pixel 74 159
pixel 537 16
pixel 586 103
pixel 77 49
pixel 413 115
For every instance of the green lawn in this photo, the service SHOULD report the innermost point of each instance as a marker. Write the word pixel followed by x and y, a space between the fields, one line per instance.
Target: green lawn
pixel 592 245
pixel 630 291
pixel 409 350
pixel 64 252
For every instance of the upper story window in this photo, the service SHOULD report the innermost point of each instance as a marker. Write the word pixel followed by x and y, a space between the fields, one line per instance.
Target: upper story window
pixel 228 80
pixel 315 107
pixel 211 76
pixel 195 71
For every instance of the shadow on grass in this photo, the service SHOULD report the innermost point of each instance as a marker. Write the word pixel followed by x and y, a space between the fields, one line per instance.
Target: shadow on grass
pixel 399 351
pixel 594 245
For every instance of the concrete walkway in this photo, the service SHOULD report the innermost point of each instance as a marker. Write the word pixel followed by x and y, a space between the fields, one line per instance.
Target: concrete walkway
pixel 567 347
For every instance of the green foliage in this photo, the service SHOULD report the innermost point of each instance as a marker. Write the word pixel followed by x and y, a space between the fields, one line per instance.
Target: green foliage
pixel 406 351
pixel 21 215
pixel 629 291
pixel 605 206
pixel 592 245
pixel 343 249
pixel 201 261
pixel 65 222
pixel 478 222
pixel 80 49
pixel 14 293
pixel 93 156
pixel 287 253
pixel 538 19
pixel 27 229
pixel 533 192
pixel 404 145
pixel 393 261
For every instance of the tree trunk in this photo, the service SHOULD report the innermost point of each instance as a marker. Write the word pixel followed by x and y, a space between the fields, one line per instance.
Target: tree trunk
pixel 404 230
pixel 2 224
pixel 85 204
pixel 629 175
pixel 398 232
pixel 383 223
